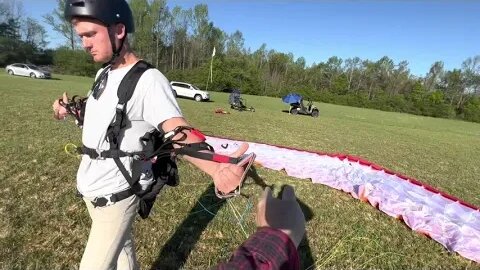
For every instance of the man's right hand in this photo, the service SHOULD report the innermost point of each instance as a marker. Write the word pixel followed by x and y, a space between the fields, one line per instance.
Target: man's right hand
pixel 284 214
pixel 59 112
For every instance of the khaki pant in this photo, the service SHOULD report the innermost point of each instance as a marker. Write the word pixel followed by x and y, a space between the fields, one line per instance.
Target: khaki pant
pixel 110 243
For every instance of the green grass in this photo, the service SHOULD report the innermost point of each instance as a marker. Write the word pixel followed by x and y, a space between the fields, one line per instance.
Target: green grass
pixel 43 224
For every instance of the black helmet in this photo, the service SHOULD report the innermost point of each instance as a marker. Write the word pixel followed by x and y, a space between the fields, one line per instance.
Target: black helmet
pixel 109 12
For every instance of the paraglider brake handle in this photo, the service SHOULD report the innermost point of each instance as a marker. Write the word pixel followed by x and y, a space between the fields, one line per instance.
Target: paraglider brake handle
pixel 203 150
pixel 246 162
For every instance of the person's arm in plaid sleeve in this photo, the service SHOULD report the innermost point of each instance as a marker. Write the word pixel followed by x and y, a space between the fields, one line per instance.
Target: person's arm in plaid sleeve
pixel 274 244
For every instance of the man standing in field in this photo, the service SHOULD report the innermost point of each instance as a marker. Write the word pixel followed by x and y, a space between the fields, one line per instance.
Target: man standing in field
pixel 103 26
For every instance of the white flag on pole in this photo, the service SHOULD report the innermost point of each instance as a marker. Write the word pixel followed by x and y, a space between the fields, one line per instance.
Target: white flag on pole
pixel 213 53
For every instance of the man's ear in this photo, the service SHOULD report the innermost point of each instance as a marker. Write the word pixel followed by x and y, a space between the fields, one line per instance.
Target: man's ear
pixel 120 30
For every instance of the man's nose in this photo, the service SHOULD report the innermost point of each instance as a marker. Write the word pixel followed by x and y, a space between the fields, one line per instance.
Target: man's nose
pixel 86 43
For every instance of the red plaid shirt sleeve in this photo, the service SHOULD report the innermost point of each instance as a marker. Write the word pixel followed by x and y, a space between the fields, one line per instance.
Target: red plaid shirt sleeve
pixel 268 249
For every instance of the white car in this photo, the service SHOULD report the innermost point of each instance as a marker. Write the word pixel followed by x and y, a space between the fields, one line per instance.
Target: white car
pixel 181 89
pixel 28 70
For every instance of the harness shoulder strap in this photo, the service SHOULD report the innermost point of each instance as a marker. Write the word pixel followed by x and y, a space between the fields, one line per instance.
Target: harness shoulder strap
pixel 128 83
pixel 124 93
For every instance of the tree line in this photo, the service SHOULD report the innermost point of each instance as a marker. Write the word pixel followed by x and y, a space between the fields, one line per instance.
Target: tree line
pixel 22 39
pixel 180 43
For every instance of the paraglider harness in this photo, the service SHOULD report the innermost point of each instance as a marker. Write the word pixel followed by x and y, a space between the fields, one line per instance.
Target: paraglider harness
pixel 157 147
pixel 236 102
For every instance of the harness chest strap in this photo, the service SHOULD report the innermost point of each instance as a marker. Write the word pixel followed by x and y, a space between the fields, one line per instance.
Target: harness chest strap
pixel 112 153
pixel 193 150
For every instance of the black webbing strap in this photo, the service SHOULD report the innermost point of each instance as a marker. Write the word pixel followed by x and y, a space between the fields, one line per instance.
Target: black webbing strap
pixel 111 199
pixel 124 93
pixel 112 153
pixel 195 150
pixel 75 107
pixel 200 150
pixel 116 51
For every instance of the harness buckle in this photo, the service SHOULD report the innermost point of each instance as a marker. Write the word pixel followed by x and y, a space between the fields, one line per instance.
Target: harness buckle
pixel 169 134
pixel 99 154
pixel 109 199
pixel 175 131
pixel 103 201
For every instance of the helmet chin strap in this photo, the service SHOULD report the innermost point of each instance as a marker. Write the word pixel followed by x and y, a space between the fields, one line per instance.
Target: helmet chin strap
pixel 116 51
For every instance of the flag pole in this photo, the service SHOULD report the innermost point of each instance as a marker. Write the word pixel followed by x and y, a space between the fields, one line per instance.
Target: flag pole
pixel 208 79
pixel 210 74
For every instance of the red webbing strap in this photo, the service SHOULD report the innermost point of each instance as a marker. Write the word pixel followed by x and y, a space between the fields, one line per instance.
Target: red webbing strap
pixel 195 150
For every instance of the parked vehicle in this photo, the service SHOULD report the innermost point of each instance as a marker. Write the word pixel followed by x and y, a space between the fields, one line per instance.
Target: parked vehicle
pixel 28 70
pixel 187 90
pixel 297 106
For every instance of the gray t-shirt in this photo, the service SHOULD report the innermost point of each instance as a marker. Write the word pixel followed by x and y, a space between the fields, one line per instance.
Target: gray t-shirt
pixel 151 104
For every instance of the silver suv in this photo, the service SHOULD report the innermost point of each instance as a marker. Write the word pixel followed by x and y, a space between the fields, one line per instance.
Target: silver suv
pixel 181 89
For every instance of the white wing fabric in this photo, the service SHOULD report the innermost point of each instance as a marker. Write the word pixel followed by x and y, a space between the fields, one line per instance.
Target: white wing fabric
pixel 451 222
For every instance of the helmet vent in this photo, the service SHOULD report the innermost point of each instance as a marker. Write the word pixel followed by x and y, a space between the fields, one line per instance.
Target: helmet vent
pixel 78 4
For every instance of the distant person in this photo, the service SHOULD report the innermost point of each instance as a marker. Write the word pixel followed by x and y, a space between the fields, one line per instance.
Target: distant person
pixel 111 200
pixel 281 227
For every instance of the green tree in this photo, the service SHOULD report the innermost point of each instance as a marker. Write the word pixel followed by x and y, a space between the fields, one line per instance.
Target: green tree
pixel 10 29
pixel 143 40
pixel 434 76
pixel 472 109
pixel 235 44
pixel 75 62
pixel 160 22
pixel 471 74
pixel 352 72
pixel 57 21
pixel 35 34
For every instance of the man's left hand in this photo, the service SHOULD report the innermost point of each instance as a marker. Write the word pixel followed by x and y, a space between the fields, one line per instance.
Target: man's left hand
pixel 227 177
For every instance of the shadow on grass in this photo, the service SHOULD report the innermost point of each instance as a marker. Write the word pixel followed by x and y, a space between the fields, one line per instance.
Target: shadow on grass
pixel 301 114
pixel 252 173
pixel 304 250
pixel 192 99
pixel 176 250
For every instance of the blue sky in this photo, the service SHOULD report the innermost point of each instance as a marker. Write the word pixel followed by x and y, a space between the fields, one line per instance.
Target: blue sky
pixel 420 32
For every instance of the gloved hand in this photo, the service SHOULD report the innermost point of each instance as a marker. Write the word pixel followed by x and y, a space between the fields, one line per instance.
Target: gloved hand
pixel 284 214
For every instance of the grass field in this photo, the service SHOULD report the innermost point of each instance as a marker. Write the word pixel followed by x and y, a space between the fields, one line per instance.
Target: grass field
pixel 44 226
